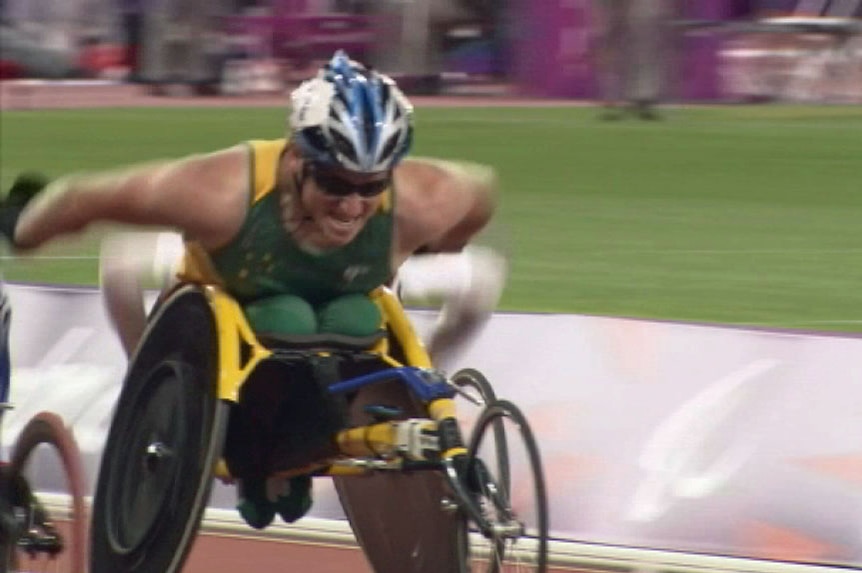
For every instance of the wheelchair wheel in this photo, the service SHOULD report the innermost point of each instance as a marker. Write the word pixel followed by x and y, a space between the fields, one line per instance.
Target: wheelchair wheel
pixel 45 448
pixel 513 533
pixel 475 385
pixel 165 439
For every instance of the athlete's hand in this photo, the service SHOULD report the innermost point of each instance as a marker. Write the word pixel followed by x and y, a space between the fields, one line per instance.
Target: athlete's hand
pixel 466 309
pixel 23 190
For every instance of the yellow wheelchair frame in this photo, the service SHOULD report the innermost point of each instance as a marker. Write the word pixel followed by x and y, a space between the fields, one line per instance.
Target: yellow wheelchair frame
pixel 171 423
pixel 374 440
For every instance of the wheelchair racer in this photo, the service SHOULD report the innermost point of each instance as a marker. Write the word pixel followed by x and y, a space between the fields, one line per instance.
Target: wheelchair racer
pixel 299 229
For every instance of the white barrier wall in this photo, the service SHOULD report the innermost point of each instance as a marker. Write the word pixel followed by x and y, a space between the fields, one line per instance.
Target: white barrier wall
pixel 654 435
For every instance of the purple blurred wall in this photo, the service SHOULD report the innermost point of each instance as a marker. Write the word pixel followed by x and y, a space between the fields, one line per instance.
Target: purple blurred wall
pixel 699 74
pixel 554 40
pixel 553 48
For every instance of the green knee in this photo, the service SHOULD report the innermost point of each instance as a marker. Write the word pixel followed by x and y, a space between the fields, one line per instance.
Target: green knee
pixel 350 315
pixel 281 315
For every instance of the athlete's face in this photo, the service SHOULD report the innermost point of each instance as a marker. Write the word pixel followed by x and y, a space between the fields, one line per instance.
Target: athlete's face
pixel 340 202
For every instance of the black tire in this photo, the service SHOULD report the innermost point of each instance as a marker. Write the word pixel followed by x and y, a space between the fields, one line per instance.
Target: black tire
pixel 47 429
pixel 479 393
pixel 519 504
pixel 165 439
pixel 470 379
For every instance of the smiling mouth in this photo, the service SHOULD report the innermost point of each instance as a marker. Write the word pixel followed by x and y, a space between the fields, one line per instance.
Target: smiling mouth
pixel 341 224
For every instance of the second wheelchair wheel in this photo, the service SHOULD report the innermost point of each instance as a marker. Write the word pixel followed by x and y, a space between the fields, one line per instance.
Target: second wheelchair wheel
pixel 477 387
pixel 51 528
pixel 165 439
pixel 512 534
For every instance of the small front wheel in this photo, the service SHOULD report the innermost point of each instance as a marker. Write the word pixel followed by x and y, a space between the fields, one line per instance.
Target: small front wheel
pixel 61 538
pixel 475 386
pixel 512 533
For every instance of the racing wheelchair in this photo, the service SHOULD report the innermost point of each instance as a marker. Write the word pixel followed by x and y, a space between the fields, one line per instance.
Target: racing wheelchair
pixel 29 539
pixel 206 397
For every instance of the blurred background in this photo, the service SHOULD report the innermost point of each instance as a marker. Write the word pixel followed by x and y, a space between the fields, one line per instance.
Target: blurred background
pixel 693 162
pixel 727 191
pixel 687 161
pixel 616 51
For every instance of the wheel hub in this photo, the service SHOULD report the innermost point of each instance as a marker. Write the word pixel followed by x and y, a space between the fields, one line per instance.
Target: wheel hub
pixel 156 452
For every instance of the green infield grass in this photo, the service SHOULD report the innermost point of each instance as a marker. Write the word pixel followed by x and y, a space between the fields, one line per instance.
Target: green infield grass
pixel 735 215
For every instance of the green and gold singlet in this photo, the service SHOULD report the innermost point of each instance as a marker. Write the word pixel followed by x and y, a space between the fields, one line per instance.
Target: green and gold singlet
pixel 267 271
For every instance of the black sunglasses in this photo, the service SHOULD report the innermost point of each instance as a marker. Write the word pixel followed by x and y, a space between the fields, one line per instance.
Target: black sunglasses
pixel 336 186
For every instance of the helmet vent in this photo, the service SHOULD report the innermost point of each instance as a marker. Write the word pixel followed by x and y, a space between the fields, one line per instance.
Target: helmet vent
pixel 344 146
pixel 316 140
pixel 389 148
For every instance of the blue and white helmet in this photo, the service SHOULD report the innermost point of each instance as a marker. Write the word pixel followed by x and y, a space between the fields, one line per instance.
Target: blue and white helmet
pixel 351 117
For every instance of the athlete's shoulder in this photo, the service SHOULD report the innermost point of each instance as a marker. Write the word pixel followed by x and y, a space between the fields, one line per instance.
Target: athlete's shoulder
pixel 430 180
pixel 440 167
pixel 442 202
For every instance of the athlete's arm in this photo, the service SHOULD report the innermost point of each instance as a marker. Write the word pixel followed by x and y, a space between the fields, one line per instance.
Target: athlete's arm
pixel 129 263
pixel 441 205
pixel 447 204
pixel 204 196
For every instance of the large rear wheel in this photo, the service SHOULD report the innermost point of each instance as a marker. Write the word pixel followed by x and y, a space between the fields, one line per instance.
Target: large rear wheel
pixel 51 528
pixel 165 439
pixel 511 534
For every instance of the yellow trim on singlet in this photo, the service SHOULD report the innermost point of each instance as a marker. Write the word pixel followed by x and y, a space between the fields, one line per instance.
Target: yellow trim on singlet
pixel 265 155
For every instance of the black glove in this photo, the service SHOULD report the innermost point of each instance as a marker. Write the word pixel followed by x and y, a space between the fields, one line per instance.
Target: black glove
pixel 25 187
